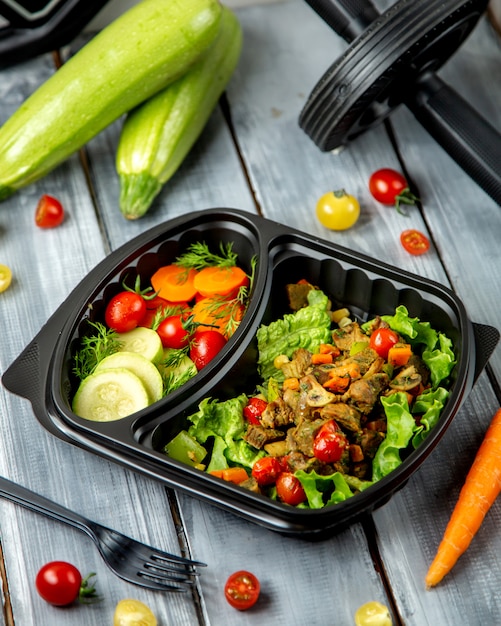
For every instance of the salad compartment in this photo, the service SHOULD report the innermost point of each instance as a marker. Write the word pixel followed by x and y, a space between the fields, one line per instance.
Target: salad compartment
pixel 43 373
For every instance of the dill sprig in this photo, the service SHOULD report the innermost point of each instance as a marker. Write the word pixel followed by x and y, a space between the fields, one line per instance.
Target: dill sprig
pixel 198 256
pixel 94 349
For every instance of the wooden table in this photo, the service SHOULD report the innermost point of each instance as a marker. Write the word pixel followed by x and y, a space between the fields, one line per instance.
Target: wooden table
pixel 257 159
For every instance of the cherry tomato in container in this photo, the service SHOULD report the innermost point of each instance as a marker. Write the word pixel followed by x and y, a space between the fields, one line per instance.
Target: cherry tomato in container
pixel 242 590
pixel 289 489
pixel 254 409
pixel 125 311
pixel 60 583
pixel 391 188
pixel 414 242
pixel 49 212
pixel 173 332
pixel 338 210
pixel 266 470
pixel 329 443
pixel 204 346
pixel 382 339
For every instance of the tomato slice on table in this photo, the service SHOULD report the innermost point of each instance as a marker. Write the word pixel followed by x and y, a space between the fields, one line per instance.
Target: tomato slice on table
pixel 414 242
pixel 49 212
pixel 242 590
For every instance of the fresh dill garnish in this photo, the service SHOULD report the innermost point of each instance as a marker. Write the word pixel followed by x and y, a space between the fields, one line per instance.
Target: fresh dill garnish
pixel 94 349
pixel 198 256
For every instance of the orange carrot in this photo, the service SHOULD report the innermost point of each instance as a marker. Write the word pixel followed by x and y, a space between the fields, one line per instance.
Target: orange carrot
pixel 481 488
pixel 399 354
pixel 321 359
pixel 290 383
pixel 235 475
pixel 218 314
pixel 222 281
pixel 337 384
pixel 328 348
pixel 174 283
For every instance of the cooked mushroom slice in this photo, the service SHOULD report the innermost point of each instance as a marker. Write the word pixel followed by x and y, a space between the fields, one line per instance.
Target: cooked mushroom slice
pixel 316 395
pixel 407 379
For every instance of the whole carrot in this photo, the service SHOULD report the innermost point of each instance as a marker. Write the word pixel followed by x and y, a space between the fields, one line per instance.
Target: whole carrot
pixel 481 487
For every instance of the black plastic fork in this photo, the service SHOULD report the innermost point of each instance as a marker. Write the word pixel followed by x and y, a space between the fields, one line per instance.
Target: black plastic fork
pixel 131 560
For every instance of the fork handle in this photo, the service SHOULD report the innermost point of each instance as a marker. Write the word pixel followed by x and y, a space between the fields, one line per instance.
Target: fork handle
pixel 39 504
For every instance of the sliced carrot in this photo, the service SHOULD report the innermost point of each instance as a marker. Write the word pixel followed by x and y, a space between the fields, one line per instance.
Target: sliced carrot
pixel 328 348
pixel 399 354
pixel 337 384
pixel 291 383
pixel 481 488
pixel 222 281
pixel 174 283
pixel 235 475
pixel 321 359
pixel 218 314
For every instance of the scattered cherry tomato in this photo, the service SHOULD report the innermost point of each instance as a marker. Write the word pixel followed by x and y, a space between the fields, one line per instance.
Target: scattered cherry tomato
pixel 329 443
pixel 60 583
pixel 204 346
pixel 254 409
pixel 242 590
pixel 390 187
pixel 338 210
pixel 289 489
pixel 173 332
pixel 414 241
pixel 382 339
pixel 372 614
pixel 266 470
pixel 5 277
pixel 125 311
pixel 49 212
pixel 130 612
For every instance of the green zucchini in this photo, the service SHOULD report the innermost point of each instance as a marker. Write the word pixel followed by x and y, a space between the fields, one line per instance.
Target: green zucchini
pixel 157 135
pixel 137 55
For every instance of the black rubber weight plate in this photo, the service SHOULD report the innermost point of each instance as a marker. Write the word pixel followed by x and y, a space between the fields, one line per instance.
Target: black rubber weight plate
pixel 381 67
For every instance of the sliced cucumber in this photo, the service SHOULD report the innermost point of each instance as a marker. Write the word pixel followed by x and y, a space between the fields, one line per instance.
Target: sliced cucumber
pixel 109 395
pixel 139 365
pixel 178 373
pixel 145 341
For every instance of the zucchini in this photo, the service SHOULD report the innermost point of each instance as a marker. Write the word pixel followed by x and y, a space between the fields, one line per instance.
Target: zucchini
pixel 137 55
pixel 157 135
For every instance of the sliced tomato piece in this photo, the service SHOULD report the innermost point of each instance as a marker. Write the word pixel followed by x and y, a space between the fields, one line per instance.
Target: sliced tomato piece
pixel 242 590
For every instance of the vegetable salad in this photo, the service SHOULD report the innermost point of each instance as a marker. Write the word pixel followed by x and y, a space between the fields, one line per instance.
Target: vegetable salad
pixel 340 404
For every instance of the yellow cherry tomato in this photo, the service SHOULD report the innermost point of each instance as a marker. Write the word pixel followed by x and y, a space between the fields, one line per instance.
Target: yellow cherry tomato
pixel 372 614
pixel 5 277
pixel 338 210
pixel 131 612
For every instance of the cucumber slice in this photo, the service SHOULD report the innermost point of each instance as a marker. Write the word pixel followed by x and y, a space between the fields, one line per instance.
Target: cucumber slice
pixel 139 365
pixel 177 374
pixel 145 341
pixel 109 395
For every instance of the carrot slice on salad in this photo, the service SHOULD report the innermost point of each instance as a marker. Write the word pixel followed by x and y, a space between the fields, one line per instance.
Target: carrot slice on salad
pixel 175 283
pixel 222 281
pixel 481 488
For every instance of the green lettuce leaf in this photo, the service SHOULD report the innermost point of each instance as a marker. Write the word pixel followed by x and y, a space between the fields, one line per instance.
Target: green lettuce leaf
pixel 399 430
pixel 430 403
pixel 440 361
pixel 306 328
pixel 224 422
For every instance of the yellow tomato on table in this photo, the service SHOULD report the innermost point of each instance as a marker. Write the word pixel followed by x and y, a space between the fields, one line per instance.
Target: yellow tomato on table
pixel 5 277
pixel 338 210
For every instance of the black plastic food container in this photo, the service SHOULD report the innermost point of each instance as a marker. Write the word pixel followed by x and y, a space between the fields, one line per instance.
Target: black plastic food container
pixel 43 372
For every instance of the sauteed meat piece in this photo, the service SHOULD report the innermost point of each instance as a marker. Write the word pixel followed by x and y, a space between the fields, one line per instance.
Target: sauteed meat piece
pixel 259 436
pixel 348 417
pixel 277 414
pixel 344 338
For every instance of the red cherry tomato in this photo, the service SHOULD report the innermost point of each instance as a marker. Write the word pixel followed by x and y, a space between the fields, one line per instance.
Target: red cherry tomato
pixel 125 311
pixel 329 443
pixel 382 339
pixel 414 241
pixel 204 346
pixel 289 489
pixel 49 212
pixel 253 409
pixel 60 583
pixel 266 470
pixel 391 188
pixel 173 333
pixel 242 590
